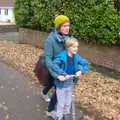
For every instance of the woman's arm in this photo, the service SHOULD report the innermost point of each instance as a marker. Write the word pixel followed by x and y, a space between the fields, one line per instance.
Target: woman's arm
pixel 48 53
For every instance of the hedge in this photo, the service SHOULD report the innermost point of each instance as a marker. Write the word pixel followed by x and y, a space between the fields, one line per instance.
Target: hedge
pixel 94 21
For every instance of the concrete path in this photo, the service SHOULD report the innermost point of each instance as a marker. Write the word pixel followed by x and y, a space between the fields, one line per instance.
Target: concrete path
pixel 18 99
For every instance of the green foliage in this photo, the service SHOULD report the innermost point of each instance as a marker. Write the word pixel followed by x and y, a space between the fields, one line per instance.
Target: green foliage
pixel 94 21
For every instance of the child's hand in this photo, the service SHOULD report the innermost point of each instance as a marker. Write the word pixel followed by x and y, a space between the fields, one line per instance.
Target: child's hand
pixel 61 77
pixel 78 74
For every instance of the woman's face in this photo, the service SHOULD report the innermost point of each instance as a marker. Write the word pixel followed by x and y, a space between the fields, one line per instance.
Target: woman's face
pixel 65 28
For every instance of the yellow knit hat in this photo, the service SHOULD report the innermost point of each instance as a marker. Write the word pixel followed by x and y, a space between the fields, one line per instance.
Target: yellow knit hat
pixel 60 19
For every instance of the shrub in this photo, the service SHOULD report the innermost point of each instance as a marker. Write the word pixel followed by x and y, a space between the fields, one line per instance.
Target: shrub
pixel 94 21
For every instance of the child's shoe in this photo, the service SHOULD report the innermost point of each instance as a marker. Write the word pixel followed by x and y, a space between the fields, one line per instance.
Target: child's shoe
pixel 59 118
pixel 67 117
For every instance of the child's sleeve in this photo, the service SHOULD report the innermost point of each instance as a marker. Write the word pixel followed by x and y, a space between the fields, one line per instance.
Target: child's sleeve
pixel 83 64
pixel 58 67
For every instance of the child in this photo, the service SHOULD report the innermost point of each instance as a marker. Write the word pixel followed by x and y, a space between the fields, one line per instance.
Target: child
pixel 65 65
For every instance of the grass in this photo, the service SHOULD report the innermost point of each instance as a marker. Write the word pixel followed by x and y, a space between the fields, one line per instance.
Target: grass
pixel 106 71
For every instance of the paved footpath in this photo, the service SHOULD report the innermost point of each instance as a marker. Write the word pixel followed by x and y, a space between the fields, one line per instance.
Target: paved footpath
pixel 18 99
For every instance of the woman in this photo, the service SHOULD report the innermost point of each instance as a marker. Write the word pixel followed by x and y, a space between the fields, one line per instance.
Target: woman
pixel 52 47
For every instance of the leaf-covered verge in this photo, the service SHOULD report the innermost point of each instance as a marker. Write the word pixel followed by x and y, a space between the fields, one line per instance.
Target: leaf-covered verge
pixel 97 95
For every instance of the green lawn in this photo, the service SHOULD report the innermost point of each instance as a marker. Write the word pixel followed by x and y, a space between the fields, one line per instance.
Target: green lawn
pixel 106 71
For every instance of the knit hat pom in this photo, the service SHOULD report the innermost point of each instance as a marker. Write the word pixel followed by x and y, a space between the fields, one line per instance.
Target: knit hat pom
pixel 60 19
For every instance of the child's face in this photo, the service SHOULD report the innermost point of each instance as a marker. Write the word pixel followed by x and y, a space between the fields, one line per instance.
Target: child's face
pixel 73 49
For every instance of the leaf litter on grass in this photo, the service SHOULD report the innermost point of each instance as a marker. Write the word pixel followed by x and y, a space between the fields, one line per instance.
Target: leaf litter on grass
pixel 97 95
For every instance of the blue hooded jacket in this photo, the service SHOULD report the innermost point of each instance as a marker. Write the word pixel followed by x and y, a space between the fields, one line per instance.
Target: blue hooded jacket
pixel 60 67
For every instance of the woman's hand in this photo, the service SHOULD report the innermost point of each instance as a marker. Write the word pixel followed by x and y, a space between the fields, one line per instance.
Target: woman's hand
pixel 61 77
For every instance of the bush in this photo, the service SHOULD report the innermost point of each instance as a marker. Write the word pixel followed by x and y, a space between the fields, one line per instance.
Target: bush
pixel 94 21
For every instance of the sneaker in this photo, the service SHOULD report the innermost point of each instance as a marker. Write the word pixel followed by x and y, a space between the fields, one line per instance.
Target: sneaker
pixel 51 114
pixel 59 118
pixel 68 117
pixel 45 97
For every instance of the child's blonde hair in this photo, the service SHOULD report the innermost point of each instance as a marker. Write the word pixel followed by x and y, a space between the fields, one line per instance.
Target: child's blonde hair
pixel 70 42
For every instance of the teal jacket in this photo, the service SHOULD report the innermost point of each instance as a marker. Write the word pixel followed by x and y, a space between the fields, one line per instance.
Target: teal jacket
pixel 52 47
pixel 60 67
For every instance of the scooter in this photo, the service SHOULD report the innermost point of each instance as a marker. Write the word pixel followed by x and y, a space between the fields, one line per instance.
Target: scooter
pixel 73 100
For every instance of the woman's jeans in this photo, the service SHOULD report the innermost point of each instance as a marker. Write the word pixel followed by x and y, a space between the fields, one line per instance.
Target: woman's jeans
pixel 46 89
pixel 53 101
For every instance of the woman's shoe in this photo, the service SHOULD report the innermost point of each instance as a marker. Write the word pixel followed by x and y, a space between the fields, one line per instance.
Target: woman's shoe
pixel 45 97
pixel 51 114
